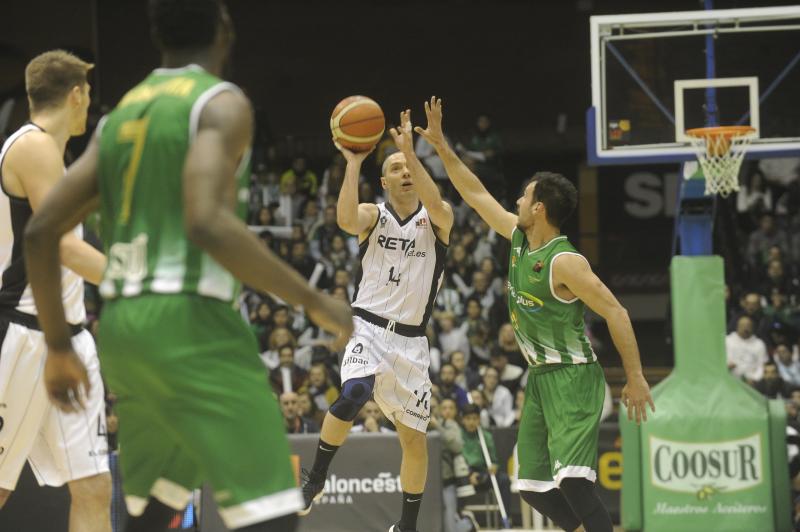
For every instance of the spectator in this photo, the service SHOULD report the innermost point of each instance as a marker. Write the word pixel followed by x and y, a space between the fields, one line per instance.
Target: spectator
pixel 289 203
pixel 754 197
pixel 509 374
pixel 488 266
pixel 750 305
pixel 480 289
pixel 485 145
pixel 366 193
pixel 279 337
pixel 478 331
pixel 766 236
pixel 460 266
pixel 338 256
pixel 507 344
pixel 371 419
pixel 265 189
pixel 287 377
pixel 322 235
pixel 448 299
pixel 306 407
pixel 466 377
pixel 473 454
pixel 746 353
pixel 311 216
pixel 455 471
pixel 448 389
pixel 452 338
pixel 261 324
pixel 282 318
pixel 775 279
pixel 788 368
pixel 342 278
pixel 771 384
pixel 499 401
pixel 429 157
pixel 435 352
pixel 484 247
pixel 333 177
pixel 305 180
pixel 778 309
pixel 302 261
pixel 294 422
pixel 479 400
pixel 320 387
pixel 263 217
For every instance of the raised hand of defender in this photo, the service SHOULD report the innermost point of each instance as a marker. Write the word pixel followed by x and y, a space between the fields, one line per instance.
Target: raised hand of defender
pixel 335 316
pixel 64 376
pixel 636 397
pixel 402 135
pixel 352 156
pixel 433 133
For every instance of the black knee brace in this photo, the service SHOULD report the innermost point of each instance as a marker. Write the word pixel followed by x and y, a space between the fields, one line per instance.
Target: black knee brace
pixel 355 392
pixel 554 506
pixel 586 504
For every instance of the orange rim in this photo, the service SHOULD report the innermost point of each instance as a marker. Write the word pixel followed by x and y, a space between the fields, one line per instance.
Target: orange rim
pixel 720 131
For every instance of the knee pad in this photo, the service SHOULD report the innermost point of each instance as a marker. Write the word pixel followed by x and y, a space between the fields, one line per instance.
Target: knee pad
pixel 553 505
pixel 355 392
pixel 586 503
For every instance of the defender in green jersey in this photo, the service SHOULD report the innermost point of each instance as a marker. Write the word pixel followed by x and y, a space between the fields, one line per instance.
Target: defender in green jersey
pixel 549 286
pixel 167 166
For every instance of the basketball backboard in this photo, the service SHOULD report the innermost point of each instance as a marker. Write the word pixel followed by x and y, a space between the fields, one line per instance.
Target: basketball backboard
pixel 654 75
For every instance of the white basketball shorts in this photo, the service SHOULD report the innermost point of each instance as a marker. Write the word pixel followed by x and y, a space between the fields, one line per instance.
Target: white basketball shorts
pixel 59 447
pixel 400 365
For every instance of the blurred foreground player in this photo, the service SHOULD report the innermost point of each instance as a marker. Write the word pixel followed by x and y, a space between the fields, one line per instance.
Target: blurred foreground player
pixel 549 286
pixel 167 166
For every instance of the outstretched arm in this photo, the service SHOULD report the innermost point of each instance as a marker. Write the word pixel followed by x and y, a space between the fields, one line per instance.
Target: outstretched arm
pixel 354 217
pixel 573 273
pixel 467 183
pixel 440 211
pixel 224 134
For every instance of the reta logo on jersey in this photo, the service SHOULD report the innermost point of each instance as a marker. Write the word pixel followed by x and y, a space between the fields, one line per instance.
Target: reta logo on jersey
pixel 391 242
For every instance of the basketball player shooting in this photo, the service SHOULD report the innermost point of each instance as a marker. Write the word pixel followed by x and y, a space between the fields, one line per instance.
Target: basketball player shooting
pixel 403 243
pixel 549 286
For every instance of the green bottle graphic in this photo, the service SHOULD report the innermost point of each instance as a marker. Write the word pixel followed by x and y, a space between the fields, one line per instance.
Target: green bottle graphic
pixel 713 456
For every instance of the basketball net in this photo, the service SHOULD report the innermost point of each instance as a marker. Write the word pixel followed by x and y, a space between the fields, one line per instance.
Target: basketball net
pixel 720 151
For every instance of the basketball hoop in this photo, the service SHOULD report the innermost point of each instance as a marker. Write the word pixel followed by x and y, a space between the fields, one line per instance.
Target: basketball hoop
pixel 720 151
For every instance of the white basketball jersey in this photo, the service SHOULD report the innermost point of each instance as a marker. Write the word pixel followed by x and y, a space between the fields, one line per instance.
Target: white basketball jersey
pixel 15 292
pixel 402 262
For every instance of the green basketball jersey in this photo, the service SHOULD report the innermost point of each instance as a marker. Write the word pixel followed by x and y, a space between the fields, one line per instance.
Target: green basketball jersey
pixel 549 330
pixel 143 146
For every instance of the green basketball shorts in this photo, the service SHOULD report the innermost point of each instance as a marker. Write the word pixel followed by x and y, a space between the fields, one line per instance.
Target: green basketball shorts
pixel 195 406
pixel 560 425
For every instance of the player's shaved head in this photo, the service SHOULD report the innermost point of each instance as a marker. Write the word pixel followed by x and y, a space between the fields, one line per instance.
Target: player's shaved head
pixel 389 160
pixel 185 24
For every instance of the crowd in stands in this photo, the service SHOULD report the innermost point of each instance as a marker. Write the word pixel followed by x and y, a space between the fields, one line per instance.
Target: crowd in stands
pixel 763 342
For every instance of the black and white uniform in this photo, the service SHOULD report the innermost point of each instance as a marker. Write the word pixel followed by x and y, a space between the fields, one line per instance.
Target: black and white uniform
pixel 402 262
pixel 60 447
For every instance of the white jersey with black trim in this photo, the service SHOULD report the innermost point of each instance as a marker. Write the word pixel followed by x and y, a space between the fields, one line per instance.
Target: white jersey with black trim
pixel 15 292
pixel 402 262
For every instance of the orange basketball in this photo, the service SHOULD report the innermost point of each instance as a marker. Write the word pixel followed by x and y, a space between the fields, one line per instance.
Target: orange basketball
pixel 357 123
